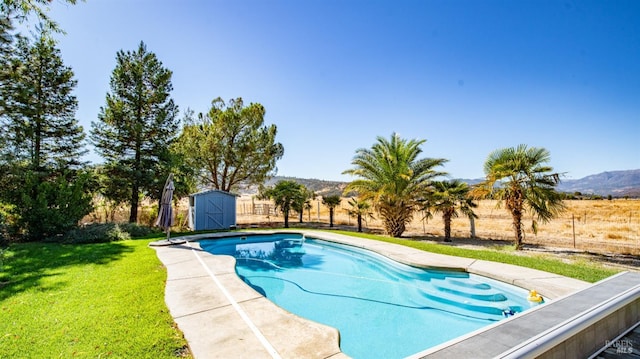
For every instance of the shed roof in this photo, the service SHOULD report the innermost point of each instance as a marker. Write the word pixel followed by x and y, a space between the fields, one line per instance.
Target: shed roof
pixel 207 191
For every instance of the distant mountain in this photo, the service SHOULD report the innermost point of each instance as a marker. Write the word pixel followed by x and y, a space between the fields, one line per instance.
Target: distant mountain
pixel 320 187
pixel 615 183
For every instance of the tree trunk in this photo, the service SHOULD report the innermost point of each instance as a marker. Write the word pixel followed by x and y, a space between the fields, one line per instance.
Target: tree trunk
pixel 133 213
pixel 330 217
pixel 447 227
pixel 472 225
pixel 285 212
pixel 394 226
pixel 517 227
pixel 133 216
pixel 359 223
pixel 515 205
pixel 395 220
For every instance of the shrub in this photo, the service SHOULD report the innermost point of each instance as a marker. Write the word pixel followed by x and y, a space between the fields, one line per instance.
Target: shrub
pixel 4 237
pixel 148 215
pixel 106 232
pixel 95 233
pixel 46 208
pixel 136 230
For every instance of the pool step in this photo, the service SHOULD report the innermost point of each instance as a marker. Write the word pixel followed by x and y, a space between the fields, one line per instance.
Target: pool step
pixel 468 306
pixel 473 299
pixel 479 291
pixel 469 284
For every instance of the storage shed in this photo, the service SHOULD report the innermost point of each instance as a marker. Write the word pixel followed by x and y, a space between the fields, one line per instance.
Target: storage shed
pixel 212 209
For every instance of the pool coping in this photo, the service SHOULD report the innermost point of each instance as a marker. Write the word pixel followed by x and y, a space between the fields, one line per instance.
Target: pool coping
pixel 229 319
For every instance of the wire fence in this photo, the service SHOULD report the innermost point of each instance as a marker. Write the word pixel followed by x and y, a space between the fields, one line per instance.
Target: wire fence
pixel 598 226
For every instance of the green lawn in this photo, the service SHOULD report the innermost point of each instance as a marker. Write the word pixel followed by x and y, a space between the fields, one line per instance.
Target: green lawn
pixel 92 300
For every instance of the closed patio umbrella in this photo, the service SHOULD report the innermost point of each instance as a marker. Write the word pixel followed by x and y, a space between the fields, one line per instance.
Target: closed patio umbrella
pixel 165 212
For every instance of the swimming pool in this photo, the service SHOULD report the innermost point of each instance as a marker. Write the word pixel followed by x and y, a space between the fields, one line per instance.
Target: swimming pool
pixel 382 308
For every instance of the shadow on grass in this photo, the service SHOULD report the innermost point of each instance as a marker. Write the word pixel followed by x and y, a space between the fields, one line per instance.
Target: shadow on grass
pixel 26 264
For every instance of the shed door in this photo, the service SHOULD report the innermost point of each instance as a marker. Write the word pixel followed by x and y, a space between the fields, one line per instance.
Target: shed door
pixel 214 212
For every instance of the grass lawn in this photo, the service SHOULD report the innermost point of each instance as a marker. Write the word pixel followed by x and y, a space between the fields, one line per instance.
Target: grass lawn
pixel 92 300
pixel 586 271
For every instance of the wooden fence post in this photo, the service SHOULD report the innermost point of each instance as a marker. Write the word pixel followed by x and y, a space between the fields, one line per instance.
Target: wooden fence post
pixel 573 220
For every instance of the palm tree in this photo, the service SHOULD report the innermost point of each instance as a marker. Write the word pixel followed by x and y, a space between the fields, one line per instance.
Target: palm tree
pixel 331 202
pixel 303 201
pixel 393 178
pixel 449 197
pixel 360 209
pixel 285 195
pixel 520 177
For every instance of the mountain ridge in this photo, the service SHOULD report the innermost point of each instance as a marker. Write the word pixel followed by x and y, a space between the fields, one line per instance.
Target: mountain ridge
pixel 617 183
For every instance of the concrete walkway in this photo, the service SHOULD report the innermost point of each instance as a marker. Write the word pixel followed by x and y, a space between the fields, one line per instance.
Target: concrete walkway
pixel 222 317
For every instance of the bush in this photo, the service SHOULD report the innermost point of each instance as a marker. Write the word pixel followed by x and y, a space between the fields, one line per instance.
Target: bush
pixel 148 215
pixel 46 208
pixel 136 230
pixel 95 233
pixel 4 236
pixel 105 232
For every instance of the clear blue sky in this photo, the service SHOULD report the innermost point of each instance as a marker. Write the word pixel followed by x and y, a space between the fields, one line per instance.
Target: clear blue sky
pixel 468 76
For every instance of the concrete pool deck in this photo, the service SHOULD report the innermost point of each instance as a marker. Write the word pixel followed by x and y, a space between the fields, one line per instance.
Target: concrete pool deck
pixel 222 317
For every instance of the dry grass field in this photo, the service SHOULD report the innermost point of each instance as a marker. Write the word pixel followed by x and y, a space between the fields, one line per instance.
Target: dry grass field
pixel 598 226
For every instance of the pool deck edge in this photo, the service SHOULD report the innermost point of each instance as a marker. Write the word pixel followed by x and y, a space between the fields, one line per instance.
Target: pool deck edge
pixel 215 328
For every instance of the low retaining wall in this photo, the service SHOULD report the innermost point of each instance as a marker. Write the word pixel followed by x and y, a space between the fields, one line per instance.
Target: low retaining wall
pixel 586 333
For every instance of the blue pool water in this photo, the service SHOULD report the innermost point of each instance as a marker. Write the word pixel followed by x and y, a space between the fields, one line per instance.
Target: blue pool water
pixel 382 308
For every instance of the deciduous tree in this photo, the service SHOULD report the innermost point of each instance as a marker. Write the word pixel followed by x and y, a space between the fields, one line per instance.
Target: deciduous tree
pixel 230 146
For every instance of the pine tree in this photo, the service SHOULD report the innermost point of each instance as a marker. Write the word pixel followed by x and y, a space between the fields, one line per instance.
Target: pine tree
pixel 137 125
pixel 39 108
pixel 42 141
pixel 6 38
